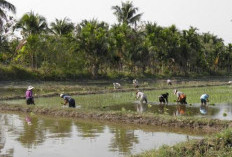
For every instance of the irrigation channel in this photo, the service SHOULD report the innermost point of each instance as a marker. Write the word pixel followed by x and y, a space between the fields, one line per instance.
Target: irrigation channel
pixel 61 137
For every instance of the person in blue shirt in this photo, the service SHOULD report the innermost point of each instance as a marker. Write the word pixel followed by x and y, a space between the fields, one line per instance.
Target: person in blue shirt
pixel 68 99
pixel 204 99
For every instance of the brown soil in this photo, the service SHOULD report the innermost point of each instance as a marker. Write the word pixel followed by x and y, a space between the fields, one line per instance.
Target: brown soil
pixel 207 125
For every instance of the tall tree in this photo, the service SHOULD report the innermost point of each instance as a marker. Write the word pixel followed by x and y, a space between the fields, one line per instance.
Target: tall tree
pixel 126 14
pixel 4 5
pixel 32 24
pixel 62 27
pixel 93 39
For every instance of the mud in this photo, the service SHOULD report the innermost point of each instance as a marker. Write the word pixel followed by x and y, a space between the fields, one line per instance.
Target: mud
pixel 207 125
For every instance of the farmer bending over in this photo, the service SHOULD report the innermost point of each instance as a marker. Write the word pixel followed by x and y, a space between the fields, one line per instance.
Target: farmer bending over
pixel 68 99
pixel 141 96
pixel 29 96
pixel 117 85
pixel 181 97
pixel 169 82
pixel 163 98
pixel 204 99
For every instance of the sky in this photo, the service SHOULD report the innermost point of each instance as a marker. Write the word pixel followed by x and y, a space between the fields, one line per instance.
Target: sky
pixel 214 16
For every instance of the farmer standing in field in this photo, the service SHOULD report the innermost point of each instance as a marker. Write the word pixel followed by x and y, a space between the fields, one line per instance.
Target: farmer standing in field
pixel 181 97
pixel 204 99
pixel 135 83
pixel 141 96
pixel 68 99
pixel 29 96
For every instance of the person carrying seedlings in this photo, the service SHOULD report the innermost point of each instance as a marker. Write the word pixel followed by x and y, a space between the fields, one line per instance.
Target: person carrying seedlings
pixel 163 98
pixel 29 96
pixel 68 99
pixel 181 97
pixel 141 96
pixel 204 99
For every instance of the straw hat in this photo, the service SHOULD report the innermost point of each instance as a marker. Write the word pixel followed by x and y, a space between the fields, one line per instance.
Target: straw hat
pixel 30 88
pixel 61 95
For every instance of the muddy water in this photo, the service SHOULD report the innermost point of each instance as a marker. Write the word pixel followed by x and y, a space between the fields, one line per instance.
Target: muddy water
pixel 62 137
pixel 218 111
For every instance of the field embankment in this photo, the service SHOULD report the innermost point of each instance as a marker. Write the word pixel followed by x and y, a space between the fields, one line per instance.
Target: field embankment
pixel 208 125
pixel 216 145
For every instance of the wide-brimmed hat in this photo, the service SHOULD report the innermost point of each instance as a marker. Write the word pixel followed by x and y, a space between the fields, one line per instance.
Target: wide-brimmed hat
pixel 61 95
pixel 30 88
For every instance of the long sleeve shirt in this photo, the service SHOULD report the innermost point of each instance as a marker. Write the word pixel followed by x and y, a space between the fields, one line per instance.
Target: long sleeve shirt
pixel 29 94
pixel 140 95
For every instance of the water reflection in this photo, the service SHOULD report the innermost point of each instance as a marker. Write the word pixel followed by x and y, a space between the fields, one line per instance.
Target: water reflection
pixel 203 109
pixel 123 140
pixel 141 107
pixel 89 130
pixel 177 109
pixel 59 137
pixel 180 109
pixel 32 135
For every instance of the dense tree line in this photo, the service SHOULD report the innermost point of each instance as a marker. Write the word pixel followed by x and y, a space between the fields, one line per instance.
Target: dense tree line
pixel 95 48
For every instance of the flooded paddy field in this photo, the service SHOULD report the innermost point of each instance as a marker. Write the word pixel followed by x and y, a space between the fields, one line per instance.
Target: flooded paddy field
pixel 219 106
pixel 60 137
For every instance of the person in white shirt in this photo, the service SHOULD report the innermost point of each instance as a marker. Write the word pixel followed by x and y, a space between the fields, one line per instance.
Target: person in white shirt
pixel 181 97
pixel 141 96
pixel 135 83
pixel 117 85
pixel 169 82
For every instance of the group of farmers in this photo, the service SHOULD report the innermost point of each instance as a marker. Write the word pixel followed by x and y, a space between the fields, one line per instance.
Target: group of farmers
pixel 163 98
pixel 67 99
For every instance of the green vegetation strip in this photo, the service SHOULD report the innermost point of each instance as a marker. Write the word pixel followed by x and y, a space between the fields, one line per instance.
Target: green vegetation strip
pixel 97 91
pixel 219 144
pixel 205 124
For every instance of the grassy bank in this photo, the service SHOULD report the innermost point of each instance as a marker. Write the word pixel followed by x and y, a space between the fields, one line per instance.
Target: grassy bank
pixel 18 72
pixel 212 146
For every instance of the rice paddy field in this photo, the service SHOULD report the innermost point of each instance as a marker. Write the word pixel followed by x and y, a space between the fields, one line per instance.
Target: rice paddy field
pixel 106 99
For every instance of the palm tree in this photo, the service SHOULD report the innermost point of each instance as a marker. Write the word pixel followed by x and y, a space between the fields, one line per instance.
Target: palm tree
pixel 126 14
pixel 32 24
pixel 4 5
pixel 62 27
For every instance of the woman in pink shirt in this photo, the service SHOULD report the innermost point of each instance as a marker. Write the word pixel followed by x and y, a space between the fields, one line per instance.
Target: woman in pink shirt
pixel 29 96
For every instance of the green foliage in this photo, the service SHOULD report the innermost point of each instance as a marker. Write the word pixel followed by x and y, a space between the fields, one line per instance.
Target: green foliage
pixel 95 49
pixel 16 72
